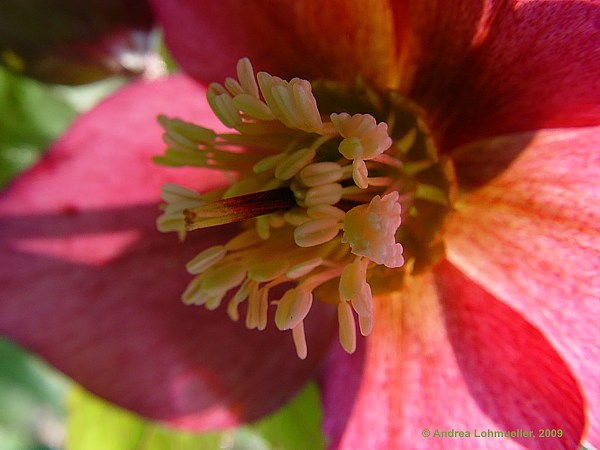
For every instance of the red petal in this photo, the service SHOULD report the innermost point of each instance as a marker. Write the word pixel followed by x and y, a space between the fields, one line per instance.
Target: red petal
pixel 338 39
pixel 91 285
pixel 445 355
pixel 483 68
pixel 531 236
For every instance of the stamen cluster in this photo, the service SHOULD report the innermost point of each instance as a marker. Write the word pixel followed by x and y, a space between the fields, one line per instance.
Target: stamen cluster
pixel 315 195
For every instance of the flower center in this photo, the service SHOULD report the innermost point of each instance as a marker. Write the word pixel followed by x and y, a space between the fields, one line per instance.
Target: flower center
pixel 336 186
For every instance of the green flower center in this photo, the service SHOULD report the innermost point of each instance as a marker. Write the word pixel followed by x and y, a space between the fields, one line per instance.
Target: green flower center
pixel 335 186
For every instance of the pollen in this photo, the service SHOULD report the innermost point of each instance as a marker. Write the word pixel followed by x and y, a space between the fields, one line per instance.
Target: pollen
pixel 322 196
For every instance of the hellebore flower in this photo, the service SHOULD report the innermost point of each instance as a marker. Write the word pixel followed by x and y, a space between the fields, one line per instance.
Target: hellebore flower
pixel 448 202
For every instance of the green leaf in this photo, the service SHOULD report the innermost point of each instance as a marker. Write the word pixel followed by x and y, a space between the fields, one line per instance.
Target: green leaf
pixel 297 426
pixel 31 396
pixel 93 424
pixel 32 114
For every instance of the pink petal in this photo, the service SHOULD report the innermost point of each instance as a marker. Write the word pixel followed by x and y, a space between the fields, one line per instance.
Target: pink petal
pixel 338 39
pixel 445 355
pixel 531 236
pixel 90 285
pixel 482 68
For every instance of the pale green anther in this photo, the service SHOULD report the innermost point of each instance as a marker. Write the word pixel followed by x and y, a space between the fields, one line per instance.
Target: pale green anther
pixel 245 74
pixel 221 279
pixel 352 279
pixel 347 330
pixel 321 173
pixel 164 121
pixel 180 158
pixel 214 302
pixel 268 163
pixel 253 107
pixel 194 293
pixel 294 163
pixel 292 308
pixel 167 223
pixel 295 216
pixel 222 105
pixel 179 142
pixel 326 212
pixel 300 340
pixel 193 132
pixel 256 316
pixel 206 259
pixel 303 268
pixel 360 173
pixel 233 86
pixel 316 232
pixel 266 83
pixel 328 194
pixel 172 193
pixel 215 89
pixel 306 104
pixel 285 102
pixel 263 228
pixel 272 184
pixel 267 271
pixel 241 294
pixel 241 187
pixel 365 324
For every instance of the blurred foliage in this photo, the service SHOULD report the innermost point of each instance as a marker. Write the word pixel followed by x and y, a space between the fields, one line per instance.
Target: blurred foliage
pixel 73 41
pixel 31 402
pixel 32 114
pixel 93 424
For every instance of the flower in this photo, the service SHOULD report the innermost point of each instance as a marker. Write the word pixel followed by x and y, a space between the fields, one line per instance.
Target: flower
pixel 488 324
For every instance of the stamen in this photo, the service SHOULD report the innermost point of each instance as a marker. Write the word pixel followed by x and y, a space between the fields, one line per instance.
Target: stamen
pixel 326 212
pixel 267 271
pixel 327 194
pixel 303 268
pixel 245 74
pixel 300 340
pixel 360 173
pixel 233 86
pixel 206 259
pixel 223 107
pixel 292 308
pixel 253 107
pixel 318 174
pixel 365 323
pixel 294 163
pixel 298 178
pixel 354 287
pixel 316 232
pixel 306 105
pixel 347 327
